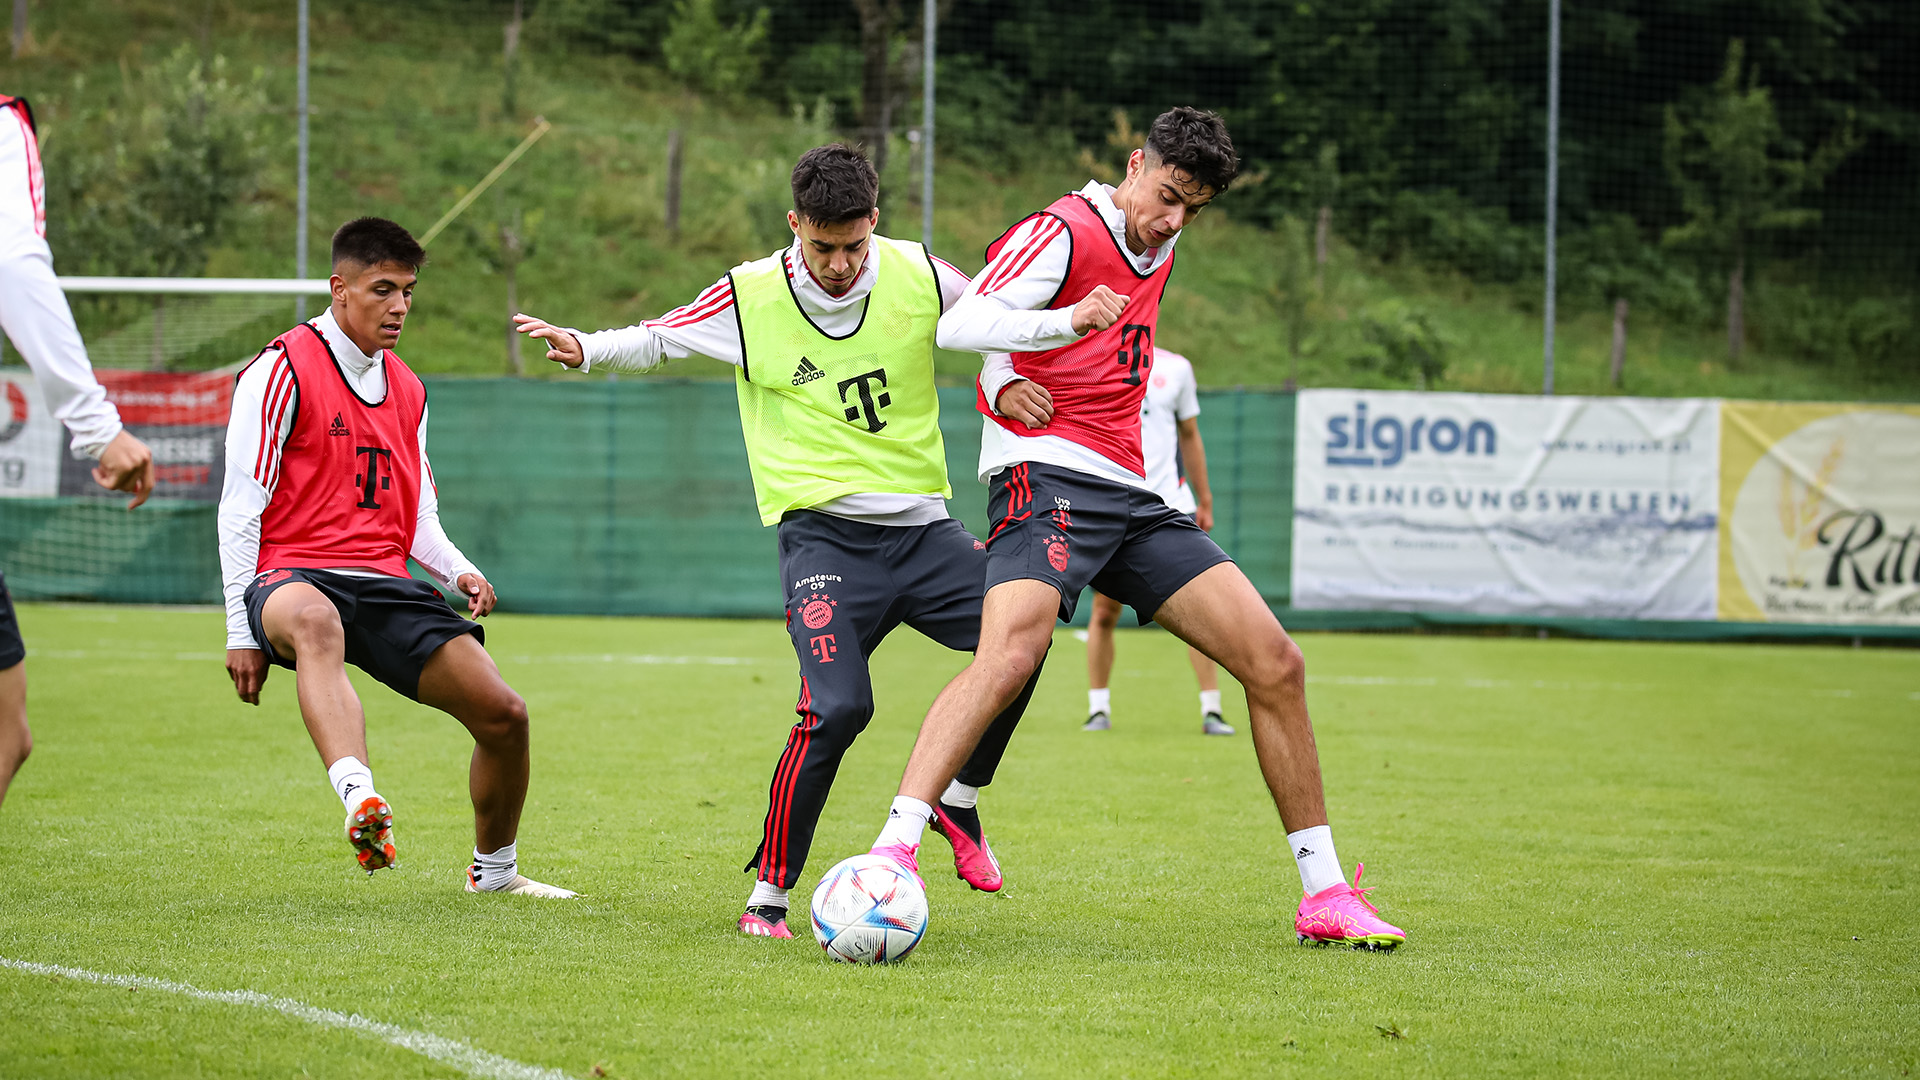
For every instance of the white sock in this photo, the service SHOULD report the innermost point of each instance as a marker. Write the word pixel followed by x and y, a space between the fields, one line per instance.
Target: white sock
pixel 767 894
pixel 497 869
pixel 1099 700
pixel 1209 702
pixel 906 822
pixel 352 781
pixel 961 795
pixel 1313 850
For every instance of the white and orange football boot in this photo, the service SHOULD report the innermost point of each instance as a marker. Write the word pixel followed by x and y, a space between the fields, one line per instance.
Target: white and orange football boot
pixel 370 831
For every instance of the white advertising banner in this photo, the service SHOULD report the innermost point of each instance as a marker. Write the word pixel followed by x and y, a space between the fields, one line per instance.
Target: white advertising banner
pixel 1506 505
pixel 1822 513
pixel 31 440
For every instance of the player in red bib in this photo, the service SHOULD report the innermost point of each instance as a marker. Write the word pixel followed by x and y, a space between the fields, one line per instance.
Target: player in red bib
pixel 1066 311
pixel 328 494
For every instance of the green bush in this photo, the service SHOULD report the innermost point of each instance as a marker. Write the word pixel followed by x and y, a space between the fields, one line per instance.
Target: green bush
pixel 1443 227
pixel 1864 335
pixel 1404 343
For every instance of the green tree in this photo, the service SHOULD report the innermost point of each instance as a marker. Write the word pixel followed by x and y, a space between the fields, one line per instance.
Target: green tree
pixel 149 180
pixel 1738 174
pixel 711 56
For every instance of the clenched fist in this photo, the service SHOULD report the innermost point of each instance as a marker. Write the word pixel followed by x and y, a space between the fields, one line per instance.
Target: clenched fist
pixel 1100 309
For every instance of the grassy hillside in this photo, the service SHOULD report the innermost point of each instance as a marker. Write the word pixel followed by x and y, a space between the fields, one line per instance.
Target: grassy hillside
pixel 409 113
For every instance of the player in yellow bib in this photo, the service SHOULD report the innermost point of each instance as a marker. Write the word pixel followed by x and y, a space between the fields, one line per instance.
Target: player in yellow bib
pixel 832 340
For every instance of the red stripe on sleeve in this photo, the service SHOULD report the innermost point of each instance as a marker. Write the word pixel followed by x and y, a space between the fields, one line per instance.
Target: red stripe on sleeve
pixel 710 303
pixel 1014 265
pixel 36 187
pixel 280 389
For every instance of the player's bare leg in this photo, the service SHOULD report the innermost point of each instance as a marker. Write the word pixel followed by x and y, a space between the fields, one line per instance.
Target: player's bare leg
pixel 1222 614
pixel 302 625
pixel 1100 625
pixel 16 740
pixel 462 680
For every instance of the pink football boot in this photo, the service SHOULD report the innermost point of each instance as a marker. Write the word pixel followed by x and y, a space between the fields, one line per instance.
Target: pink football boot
pixel 906 856
pixel 1341 914
pixel 765 922
pixel 972 858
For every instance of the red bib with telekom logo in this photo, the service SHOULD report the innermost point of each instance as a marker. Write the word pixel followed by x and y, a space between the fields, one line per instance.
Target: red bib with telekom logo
pixel 1097 382
pixel 349 490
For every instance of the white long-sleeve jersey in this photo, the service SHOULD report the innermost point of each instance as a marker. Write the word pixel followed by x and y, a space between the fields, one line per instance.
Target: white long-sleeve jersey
pixel 256 434
pixel 33 309
pixel 1004 311
pixel 709 327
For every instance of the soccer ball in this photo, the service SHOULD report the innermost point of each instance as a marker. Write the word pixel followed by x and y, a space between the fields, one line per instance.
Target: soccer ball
pixel 867 910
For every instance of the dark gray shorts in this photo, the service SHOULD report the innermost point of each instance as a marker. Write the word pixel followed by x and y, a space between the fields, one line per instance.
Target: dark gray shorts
pixel 393 625
pixel 1073 530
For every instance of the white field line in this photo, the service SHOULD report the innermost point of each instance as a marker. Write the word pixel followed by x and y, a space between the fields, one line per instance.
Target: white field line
pixel 579 658
pixel 468 1059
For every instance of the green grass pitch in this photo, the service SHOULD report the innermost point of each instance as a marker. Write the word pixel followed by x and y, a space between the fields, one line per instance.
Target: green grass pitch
pixel 1611 859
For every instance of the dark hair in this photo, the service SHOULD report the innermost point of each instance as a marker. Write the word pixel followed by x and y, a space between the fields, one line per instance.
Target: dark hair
pixel 371 240
pixel 1195 142
pixel 834 184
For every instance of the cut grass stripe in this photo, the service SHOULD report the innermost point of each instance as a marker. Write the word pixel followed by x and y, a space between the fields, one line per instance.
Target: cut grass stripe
pixel 468 1059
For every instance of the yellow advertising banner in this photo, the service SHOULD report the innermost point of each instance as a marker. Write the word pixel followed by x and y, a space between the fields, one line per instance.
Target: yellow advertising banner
pixel 1820 513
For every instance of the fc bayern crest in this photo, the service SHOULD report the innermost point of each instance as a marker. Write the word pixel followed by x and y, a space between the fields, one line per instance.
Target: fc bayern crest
pixel 1057 553
pixel 816 611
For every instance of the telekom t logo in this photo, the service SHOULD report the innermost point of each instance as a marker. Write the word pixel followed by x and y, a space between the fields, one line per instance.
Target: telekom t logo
pixel 1133 354
pixel 376 474
pixel 823 648
pixel 870 403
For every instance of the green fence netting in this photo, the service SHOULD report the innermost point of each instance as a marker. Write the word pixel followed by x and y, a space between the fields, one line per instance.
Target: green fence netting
pixel 631 497
pixel 93 549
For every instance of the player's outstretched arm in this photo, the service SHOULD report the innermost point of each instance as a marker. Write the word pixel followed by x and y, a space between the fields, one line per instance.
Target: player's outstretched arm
pixel 562 347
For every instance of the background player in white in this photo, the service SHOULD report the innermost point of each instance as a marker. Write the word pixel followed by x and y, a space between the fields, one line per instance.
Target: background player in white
pixel 1177 469
pixel 328 493
pixel 34 313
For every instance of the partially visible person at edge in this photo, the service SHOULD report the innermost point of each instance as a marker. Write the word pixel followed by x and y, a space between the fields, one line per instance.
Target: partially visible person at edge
pixel 35 316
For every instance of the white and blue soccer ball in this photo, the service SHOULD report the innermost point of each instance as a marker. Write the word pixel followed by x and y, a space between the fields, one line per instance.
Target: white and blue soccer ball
pixel 867 910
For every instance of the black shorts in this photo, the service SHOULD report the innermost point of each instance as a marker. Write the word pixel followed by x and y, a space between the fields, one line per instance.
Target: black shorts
pixel 393 624
pixel 1073 530
pixel 12 648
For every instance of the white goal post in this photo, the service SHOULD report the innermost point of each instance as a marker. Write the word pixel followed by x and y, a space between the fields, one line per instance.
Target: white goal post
pixel 181 323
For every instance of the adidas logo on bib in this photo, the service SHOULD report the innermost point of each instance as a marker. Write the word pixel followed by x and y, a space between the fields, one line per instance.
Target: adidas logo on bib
pixel 806 372
pixel 338 427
